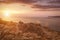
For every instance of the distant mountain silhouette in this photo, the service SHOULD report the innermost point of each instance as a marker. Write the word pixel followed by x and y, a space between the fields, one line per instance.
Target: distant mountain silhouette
pixel 54 16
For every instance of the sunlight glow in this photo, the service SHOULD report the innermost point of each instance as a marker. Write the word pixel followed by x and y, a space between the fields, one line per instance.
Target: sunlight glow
pixel 6 13
pixel 10 10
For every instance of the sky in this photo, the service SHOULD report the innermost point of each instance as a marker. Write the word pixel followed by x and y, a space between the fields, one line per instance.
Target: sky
pixel 30 8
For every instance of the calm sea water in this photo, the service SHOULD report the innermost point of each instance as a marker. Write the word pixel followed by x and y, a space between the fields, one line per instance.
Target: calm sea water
pixel 52 23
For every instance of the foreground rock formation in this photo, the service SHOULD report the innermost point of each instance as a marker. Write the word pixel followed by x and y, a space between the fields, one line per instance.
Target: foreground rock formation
pixel 26 31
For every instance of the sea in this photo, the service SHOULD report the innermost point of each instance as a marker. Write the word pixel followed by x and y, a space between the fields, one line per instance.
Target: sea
pixel 52 23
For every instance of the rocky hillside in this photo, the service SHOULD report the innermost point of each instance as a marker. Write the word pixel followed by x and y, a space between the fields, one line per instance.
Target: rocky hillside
pixel 26 31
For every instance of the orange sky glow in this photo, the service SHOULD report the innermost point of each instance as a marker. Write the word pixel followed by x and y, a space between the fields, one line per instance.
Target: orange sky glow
pixel 7 10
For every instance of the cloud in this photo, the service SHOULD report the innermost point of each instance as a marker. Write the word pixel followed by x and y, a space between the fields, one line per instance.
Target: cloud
pixel 19 1
pixel 44 4
pixel 55 1
pixel 47 4
pixel 27 1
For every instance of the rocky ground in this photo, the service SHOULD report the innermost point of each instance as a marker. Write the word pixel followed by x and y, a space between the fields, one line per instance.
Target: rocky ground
pixel 26 31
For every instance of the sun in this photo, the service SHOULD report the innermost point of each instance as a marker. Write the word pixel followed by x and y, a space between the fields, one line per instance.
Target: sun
pixel 6 13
